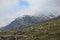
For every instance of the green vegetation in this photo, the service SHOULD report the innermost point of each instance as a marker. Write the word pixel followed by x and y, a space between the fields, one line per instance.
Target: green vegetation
pixel 48 30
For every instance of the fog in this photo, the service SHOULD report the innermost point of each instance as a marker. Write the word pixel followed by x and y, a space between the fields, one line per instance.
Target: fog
pixel 11 9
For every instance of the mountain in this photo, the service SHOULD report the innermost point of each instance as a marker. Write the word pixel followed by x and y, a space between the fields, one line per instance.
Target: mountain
pixel 25 21
pixel 47 30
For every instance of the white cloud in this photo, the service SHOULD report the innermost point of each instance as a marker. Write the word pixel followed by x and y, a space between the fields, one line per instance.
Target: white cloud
pixel 43 6
pixel 8 3
pixel 8 12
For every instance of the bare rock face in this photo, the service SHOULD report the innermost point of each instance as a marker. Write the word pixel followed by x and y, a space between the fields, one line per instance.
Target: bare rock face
pixel 25 21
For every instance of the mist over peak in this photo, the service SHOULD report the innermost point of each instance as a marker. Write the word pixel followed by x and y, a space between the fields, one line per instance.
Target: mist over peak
pixel 11 9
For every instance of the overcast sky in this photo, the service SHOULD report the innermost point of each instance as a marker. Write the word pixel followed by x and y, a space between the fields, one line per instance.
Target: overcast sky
pixel 11 9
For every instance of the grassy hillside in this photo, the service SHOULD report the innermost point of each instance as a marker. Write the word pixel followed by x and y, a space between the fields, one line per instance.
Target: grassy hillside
pixel 48 30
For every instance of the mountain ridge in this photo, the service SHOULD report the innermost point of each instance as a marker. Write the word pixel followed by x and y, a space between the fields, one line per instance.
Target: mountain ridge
pixel 25 21
pixel 47 30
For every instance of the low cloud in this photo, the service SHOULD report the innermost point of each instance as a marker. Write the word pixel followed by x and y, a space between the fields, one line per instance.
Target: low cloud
pixel 11 9
pixel 41 6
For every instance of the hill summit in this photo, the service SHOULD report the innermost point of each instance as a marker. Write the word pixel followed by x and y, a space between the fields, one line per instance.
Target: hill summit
pixel 47 30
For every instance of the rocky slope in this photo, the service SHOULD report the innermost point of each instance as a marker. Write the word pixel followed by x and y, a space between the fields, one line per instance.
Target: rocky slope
pixel 47 30
pixel 25 21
